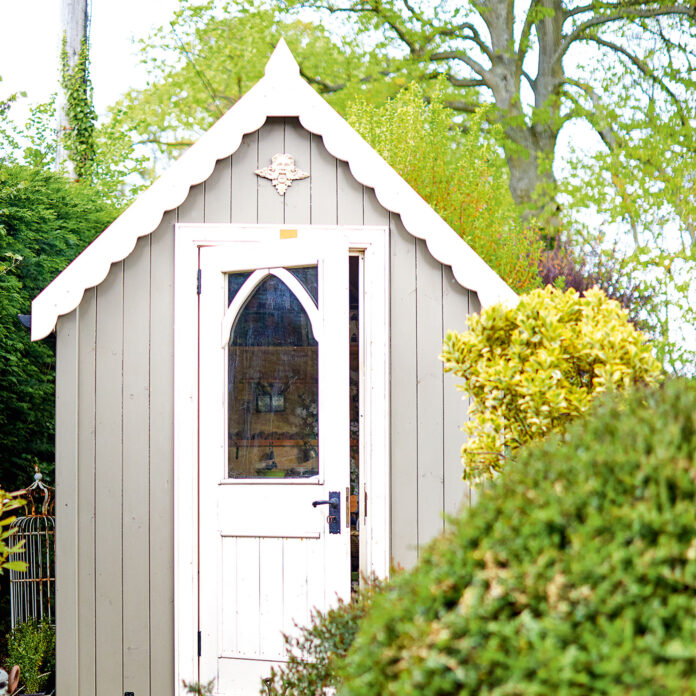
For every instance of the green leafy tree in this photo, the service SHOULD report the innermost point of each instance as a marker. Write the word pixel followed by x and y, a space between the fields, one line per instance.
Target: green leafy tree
pixel 460 173
pixel 533 368
pixel 531 61
pixel 45 221
pixel 210 55
pixel 574 574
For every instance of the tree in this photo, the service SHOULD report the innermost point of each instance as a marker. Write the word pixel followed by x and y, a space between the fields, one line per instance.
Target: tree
pixel 532 369
pixel 75 113
pixel 531 63
pixel 208 57
pixel 45 221
pixel 461 175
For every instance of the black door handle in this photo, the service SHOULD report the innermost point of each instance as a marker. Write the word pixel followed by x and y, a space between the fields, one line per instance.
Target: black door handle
pixel 334 518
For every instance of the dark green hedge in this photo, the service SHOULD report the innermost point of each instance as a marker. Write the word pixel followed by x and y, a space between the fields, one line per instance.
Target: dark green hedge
pixel 45 222
pixel 575 574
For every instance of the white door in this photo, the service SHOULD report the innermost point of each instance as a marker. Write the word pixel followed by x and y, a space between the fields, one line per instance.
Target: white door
pixel 273 440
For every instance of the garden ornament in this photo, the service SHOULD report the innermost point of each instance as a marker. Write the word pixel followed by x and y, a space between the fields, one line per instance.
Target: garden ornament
pixel 282 172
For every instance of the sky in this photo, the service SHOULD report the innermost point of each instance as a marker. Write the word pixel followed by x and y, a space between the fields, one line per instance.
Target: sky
pixel 30 42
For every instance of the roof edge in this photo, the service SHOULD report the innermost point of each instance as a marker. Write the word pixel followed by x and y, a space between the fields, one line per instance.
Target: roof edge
pixel 281 92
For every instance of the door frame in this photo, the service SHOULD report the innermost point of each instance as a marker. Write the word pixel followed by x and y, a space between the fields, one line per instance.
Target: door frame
pixel 372 243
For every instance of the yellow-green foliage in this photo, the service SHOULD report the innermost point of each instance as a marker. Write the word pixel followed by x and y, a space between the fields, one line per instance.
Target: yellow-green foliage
pixel 532 368
pixel 462 175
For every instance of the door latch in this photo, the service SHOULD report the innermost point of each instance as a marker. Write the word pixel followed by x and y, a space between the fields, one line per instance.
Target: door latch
pixel 334 518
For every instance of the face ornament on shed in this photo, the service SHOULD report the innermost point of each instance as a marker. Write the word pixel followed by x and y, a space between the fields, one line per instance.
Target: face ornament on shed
pixel 282 172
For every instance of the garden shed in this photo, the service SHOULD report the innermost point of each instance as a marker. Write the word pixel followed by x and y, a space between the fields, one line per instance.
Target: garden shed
pixel 250 407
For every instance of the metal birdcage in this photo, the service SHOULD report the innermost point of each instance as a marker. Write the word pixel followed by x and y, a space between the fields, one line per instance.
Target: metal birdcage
pixel 32 592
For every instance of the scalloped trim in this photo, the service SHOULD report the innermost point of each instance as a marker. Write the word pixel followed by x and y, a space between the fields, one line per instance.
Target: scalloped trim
pixel 281 92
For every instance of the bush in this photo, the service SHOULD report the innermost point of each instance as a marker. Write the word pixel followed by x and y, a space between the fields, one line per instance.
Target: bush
pixel 45 221
pixel 574 574
pixel 462 175
pixel 32 646
pixel 314 655
pixel 532 368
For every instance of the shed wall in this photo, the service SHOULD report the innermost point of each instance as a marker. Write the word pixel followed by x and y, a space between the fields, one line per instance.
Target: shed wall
pixel 114 454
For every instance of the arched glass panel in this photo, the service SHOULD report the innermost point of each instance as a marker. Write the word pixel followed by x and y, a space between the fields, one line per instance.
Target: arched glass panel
pixel 309 277
pixel 234 282
pixel 273 387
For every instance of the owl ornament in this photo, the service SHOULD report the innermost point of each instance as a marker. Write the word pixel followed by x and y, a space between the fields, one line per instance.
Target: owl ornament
pixel 282 172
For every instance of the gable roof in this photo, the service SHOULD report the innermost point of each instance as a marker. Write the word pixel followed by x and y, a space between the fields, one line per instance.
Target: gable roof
pixel 281 92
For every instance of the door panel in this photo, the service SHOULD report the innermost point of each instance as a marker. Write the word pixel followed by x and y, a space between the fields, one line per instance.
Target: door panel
pixel 268 448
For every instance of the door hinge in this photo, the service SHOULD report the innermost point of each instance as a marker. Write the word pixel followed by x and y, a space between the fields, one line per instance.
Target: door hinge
pixel 199 643
pixel 198 282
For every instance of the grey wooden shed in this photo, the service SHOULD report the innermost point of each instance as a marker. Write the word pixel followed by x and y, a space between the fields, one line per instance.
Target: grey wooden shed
pixel 250 406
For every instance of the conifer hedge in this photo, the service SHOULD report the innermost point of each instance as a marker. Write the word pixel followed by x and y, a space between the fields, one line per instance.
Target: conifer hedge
pixel 574 574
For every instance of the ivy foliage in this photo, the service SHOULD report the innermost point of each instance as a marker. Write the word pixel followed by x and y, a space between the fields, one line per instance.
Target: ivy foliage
pixel 532 368
pixel 78 139
pixel 459 172
pixel 574 574
pixel 45 221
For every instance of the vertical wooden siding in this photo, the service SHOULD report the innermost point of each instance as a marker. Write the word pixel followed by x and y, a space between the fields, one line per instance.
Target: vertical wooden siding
pixel 115 414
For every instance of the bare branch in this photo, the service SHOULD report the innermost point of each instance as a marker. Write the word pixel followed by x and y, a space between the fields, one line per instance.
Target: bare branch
pixel 525 34
pixel 596 6
pixel 464 58
pixel 460 105
pixel 528 77
pixel 474 37
pixel 465 82
pixel 625 13
pixel 606 133
pixel 644 68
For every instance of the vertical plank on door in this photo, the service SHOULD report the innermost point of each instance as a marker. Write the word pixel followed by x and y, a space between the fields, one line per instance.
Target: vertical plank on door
pixel 294 581
pixel 218 192
pixel 271 598
pixel 67 542
pixel 229 596
pixel 108 489
pixel 271 142
pixel 162 457
pixel 247 619
pixel 350 196
pixel 244 188
pixel 323 183
pixel 86 484
pixel 404 417
pixel 136 469
pixel 455 310
pixel 297 197
pixel 430 395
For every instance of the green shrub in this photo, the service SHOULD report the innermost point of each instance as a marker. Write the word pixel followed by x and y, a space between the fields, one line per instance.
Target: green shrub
pixel 32 646
pixel 533 368
pixel 574 574
pixel 314 655
pixel 461 174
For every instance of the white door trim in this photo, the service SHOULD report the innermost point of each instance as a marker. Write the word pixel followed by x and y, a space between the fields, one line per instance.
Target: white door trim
pixel 373 244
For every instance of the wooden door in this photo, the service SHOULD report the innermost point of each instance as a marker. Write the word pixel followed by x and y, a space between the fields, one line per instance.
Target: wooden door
pixel 273 440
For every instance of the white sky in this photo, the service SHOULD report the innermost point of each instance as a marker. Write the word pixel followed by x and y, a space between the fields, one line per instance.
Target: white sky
pixel 30 39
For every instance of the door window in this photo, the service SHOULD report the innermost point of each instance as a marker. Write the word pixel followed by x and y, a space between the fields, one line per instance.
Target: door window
pixel 272 383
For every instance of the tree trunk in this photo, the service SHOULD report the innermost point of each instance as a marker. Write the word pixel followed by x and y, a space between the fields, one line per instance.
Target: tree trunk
pixel 74 22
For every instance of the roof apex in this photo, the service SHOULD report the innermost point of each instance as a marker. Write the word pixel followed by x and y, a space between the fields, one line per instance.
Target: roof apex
pixel 282 92
pixel 282 63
